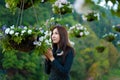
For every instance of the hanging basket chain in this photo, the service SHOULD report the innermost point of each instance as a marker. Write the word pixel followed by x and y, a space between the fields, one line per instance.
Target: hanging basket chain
pixel 20 14
pixel 36 17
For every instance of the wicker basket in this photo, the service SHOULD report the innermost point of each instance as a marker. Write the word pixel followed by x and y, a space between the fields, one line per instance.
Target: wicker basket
pixel 25 46
pixel 26 4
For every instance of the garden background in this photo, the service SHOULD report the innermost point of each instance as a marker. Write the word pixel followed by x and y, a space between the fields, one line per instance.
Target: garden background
pixel 89 63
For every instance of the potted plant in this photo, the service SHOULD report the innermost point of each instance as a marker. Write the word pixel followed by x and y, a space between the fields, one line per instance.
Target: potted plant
pixel 23 4
pixel 116 27
pixel 90 16
pixel 118 43
pixel 62 7
pixel 100 48
pixel 22 47
pixel 23 38
pixel 109 37
pixel 78 31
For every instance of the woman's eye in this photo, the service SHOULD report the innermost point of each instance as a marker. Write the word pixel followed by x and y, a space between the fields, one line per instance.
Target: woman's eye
pixel 56 32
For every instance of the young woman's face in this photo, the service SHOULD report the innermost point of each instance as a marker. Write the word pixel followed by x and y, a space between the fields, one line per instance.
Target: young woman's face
pixel 55 36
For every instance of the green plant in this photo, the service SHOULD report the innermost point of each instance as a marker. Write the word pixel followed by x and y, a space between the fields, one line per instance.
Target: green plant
pixel 91 16
pixel 25 39
pixel 116 27
pixel 23 4
pixel 109 37
pixel 62 7
pixel 78 31
pixel 22 49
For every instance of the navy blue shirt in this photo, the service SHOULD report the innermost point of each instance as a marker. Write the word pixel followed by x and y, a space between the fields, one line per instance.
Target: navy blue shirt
pixel 57 69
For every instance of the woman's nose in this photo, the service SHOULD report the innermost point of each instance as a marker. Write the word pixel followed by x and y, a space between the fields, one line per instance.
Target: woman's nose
pixel 53 36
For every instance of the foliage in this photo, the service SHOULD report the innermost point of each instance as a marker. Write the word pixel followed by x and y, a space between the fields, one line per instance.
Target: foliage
pixel 23 4
pixel 82 63
pixel 109 37
pixel 116 27
pixel 100 48
pixel 25 39
pixel 91 16
pixel 62 7
pixel 78 31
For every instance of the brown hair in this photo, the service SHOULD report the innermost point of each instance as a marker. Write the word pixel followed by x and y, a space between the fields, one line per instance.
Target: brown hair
pixel 64 41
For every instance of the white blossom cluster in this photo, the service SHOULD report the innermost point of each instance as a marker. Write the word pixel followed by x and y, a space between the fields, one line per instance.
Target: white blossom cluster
pixel 107 4
pixel 116 27
pixel 91 14
pixel 45 39
pixel 118 43
pixel 60 3
pixel 12 30
pixel 71 43
pixel 79 30
pixel 61 6
pixel 110 34
pixel 7 5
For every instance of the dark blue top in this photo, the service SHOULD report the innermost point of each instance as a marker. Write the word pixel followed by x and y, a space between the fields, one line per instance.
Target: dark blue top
pixel 57 69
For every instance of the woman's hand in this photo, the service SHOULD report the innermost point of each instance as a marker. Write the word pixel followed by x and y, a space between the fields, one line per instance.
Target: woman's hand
pixel 49 55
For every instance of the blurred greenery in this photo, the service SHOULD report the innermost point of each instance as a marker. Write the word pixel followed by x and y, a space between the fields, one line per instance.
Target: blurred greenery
pixel 88 62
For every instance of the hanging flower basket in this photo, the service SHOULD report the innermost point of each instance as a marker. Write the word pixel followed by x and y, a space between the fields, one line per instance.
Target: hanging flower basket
pixel 116 28
pixel 25 39
pixel 62 7
pixel 78 31
pixel 109 37
pixel 26 45
pixel 100 48
pixel 118 43
pixel 23 4
pixel 91 16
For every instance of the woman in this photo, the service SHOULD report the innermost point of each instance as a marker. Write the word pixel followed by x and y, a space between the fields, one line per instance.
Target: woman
pixel 59 60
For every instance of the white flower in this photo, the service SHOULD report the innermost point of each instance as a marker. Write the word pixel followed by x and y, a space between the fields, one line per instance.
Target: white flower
pixel 42 0
pixel 113 26
pixel 16 34
pixel 7 5
pixel 41 38
pixel 29 31
pixel 86 33
pixel 46 33
pixel 78 28
pixel 60 6
pixel 63 1
pixel 52 18
pixel 115 35
pixel 23 31
pixel 25 28
pixel 12 27
pixel 118 42
pixel 81 33
pixel 22 34
pixel 47 42
pixel 72 43
pixel 11 32
pixel 50 40
pixel 42 31
pixel 7 30
pixel 37 43
pixel 84 17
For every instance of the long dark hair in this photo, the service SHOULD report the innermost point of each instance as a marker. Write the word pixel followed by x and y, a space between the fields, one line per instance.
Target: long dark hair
pixel 64 41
